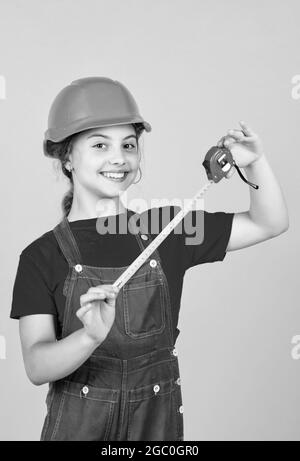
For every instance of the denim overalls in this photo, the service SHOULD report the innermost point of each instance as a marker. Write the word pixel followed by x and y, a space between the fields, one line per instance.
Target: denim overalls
pixel 129 388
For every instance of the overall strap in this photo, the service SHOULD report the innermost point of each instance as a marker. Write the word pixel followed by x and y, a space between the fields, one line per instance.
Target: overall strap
pixel 144 237
pixel 67 242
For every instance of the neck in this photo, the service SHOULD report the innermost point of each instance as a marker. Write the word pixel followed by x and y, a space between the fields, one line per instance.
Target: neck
pixel 96 208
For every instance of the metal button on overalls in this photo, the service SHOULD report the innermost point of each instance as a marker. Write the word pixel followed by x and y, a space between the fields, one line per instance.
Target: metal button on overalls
pixel 111 395
pixel 144 236
pixel 156 388
pixel 85 390
pixel 153 263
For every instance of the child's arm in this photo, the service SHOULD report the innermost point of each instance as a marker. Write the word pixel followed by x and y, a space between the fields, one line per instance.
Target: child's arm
pixel 47 359
pixel 267 216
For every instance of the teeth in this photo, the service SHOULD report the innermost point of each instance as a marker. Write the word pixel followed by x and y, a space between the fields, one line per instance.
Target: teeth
pixel 114 175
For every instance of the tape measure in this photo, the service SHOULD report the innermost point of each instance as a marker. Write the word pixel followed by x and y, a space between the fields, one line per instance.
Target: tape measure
pixel 217 163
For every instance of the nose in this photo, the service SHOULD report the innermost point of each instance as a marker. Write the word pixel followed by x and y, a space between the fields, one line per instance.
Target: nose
pixel 117 158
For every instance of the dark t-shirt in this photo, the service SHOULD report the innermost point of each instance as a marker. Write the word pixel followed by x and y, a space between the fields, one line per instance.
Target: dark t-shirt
pixel 43 268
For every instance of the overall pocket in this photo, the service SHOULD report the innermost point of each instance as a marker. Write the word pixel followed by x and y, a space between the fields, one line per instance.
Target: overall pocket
pixel 144 308
pixel 152 412
pixel 85 412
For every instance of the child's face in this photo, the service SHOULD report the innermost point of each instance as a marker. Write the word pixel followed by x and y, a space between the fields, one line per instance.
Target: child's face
pixel 92 155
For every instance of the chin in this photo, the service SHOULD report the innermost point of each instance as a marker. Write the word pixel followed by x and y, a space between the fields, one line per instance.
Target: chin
pixel 110 194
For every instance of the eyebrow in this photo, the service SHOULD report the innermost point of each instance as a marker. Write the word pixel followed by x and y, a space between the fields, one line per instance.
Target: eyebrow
pixel 108 137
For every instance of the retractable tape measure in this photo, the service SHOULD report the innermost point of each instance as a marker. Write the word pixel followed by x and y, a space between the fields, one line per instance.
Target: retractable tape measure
pixel 217 163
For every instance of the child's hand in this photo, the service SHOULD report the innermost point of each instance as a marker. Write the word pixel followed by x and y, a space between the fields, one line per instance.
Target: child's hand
pixel 97 311
pixel 244 145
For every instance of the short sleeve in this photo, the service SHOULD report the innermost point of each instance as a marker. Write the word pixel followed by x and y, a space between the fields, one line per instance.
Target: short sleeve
pixel 209 241
pixel 31 294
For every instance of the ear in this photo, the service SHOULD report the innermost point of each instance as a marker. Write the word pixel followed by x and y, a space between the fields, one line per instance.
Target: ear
pixel 69 160
pixel 67 165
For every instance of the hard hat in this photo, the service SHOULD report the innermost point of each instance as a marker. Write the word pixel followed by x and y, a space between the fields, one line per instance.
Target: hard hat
pixel 90 102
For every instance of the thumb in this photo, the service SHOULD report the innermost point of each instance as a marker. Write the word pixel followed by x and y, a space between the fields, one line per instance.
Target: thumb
pixel 110 298
pixel 83 310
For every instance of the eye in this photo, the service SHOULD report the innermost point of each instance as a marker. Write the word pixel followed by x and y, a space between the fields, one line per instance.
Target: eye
pixel 102 144
pixel 99 144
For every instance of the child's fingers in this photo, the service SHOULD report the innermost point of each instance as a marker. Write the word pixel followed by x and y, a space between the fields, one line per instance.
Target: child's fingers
pixel 246 129
pixel 234 135
pixel 228 140
pixel 110 288
pixel 83 310
pixel 95 295
pixel 220 142
pixel 237 134
pixel 87 306
pixel 88 302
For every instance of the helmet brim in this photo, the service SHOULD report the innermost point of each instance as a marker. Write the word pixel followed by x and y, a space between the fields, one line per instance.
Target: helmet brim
pixel 57 135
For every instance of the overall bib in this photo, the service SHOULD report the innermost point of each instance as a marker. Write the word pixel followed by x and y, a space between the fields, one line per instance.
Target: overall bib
pixel 129 388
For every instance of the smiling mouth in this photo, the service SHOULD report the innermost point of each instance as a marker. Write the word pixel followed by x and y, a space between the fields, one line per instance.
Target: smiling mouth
pixel 117 177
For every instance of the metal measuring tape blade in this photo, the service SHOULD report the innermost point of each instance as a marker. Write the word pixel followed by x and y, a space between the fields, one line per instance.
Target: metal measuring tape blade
pixel 139 261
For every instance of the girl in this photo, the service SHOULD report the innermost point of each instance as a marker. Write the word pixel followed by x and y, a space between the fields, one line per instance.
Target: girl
pixel 109 355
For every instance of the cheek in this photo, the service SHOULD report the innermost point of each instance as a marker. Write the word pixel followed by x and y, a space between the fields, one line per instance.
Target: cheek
pixel 134 162
pixel 89 165
pixel 85 172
